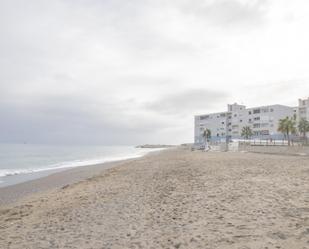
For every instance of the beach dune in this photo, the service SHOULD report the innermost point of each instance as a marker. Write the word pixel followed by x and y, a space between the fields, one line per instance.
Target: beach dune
pixel 172 199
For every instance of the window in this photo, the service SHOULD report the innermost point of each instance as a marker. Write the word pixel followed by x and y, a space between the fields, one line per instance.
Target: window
pixel 240 120
pixel 302 110
pixel 256 111
pixel 204 117
pixel 257 118
pixel 235 115
pixel 256 125
pixel 222 123
pixel 250 120
pixel 249 112
pixel 265 132
pixel 271 109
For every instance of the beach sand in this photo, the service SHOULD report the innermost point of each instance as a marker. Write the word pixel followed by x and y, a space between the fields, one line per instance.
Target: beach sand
pixel 173 199
pixel 13 193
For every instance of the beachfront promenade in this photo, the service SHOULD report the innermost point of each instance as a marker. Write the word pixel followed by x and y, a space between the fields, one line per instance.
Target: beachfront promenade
pixel 172 199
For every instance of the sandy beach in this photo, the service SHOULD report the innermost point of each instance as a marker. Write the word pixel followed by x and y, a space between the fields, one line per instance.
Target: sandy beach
pixel 172 199
pixel 54 180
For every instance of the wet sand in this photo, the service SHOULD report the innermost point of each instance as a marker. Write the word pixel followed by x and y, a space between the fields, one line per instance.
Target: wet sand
pixel 173 199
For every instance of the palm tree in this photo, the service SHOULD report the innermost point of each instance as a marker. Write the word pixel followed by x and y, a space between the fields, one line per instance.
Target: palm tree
pixel 207 136
pixel 246 132
pixel 287 127
pixel 303 127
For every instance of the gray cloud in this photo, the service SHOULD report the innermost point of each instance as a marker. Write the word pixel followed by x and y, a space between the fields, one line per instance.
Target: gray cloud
pixel 229 13
pixel 74 119
pixel 275 92
pixel 187 102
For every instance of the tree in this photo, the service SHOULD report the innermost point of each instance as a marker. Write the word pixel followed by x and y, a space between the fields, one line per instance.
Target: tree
pixel 287 127
pixel 246 132
pixel 303 128
pixel 207 136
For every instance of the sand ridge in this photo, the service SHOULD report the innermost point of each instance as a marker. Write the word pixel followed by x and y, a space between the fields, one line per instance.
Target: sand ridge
pixel 174 199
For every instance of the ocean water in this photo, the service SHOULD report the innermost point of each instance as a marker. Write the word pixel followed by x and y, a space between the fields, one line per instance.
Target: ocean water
pixel 23 162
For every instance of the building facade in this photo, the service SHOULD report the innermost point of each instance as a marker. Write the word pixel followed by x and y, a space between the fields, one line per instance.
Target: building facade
pixel 263 121
pixel 303 109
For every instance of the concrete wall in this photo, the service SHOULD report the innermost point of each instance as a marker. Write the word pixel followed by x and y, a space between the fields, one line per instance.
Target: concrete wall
pixel 274 149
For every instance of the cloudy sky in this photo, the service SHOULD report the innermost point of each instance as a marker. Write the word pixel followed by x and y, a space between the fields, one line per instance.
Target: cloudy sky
pixel 137 71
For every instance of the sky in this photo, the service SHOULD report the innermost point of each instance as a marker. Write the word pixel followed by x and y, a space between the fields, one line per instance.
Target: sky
pixel 137 71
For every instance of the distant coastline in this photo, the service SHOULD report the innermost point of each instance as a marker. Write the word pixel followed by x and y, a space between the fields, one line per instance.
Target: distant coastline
pixel 154 146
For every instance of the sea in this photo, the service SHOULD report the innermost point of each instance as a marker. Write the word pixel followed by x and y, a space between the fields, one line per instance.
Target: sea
pixel 24 162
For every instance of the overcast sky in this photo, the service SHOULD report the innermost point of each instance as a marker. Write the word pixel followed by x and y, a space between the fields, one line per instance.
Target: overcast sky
pixel 137 71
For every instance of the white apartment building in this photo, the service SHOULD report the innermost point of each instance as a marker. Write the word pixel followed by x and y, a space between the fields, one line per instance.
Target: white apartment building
pixel 263 121
pixel 303 109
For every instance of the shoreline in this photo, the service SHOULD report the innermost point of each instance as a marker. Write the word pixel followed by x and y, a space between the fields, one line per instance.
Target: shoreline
pixel 14 193
pixel 21 163
pixel 57 179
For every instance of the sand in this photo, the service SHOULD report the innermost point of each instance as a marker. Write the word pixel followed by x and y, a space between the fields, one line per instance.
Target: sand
pixel 174 199
pixel 13 193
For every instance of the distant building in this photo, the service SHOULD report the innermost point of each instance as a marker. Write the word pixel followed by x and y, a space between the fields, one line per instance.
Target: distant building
pixel 303 109
pixel 263 121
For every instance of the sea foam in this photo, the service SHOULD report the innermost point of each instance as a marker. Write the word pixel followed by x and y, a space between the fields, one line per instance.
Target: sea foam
pixel 72 164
